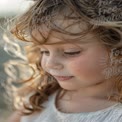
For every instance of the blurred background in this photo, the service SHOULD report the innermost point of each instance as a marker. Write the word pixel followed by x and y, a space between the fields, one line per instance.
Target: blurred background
pixel 8 9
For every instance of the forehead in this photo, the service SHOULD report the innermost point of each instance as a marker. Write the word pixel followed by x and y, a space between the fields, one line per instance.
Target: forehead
pixel 59 38
pixel 51 35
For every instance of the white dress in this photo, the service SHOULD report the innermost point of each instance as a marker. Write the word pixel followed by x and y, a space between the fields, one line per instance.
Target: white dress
pixel 51 114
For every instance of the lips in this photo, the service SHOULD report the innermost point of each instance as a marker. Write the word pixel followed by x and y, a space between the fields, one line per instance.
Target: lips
pixel 63 78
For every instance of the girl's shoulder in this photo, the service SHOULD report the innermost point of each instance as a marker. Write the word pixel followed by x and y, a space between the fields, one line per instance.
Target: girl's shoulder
pixel 118 109
pixel 29 118
pixel 35 115
pixel 113 113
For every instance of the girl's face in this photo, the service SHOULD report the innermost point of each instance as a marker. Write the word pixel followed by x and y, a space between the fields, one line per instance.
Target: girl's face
pixel 74 65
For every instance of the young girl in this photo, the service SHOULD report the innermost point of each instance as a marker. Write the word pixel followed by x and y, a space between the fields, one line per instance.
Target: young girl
pixel 76 46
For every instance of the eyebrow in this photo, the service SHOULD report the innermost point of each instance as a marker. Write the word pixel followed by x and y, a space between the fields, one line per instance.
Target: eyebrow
pixel 62 44
pixel 68 41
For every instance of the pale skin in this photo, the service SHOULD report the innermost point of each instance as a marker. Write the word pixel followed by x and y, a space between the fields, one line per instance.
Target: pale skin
pixel 88 85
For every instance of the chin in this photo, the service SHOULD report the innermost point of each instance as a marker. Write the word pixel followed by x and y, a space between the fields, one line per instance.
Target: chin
pixel 68 87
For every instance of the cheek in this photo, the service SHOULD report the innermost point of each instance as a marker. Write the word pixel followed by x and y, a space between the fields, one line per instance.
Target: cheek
pixel 87 65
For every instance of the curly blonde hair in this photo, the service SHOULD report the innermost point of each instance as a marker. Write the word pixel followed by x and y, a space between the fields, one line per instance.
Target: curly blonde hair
pixel 46 12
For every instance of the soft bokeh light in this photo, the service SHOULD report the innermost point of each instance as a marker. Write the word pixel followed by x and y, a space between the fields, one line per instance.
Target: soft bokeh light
pixel 13 7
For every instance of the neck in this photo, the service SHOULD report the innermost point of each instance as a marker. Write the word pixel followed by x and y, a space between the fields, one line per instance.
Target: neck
pixel 101 90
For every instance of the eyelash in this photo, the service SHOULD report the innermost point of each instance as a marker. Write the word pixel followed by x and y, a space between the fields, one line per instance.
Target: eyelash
pixel 72 53
pixel 67 53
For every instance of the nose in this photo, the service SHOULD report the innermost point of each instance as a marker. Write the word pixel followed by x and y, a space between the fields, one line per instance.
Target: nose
pixel 54 63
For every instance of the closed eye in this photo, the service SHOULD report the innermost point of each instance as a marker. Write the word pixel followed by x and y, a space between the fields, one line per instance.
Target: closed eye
pixel 67 53
pixel 72 53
